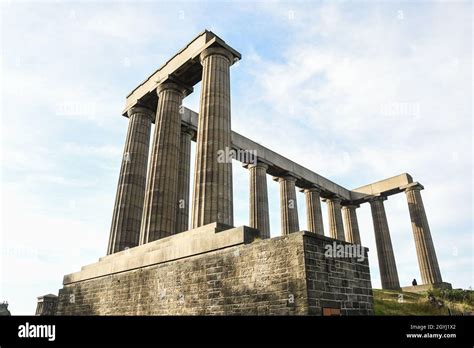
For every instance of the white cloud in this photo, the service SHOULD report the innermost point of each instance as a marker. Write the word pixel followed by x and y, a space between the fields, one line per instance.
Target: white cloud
pixel 361 99
pixel 107 151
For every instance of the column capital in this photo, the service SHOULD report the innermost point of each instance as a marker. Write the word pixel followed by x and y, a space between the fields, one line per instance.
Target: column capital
pixel 140 109
pixel 350 206
pixel 259 164
pixel 188 130
pixel 287 177
pixel 171 84
pixel 221 51
pixel 416 186
pixel 334 199
pixel 377 199
pixel 311 189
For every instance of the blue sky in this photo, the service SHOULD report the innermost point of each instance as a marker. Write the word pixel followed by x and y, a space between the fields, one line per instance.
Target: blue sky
pixel 356 91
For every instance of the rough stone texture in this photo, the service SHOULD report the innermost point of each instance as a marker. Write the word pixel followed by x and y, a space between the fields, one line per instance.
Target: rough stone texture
pixel 351 225
pixel 212 197
pixel 387 265
pixel 314 214
pixel 342 283
pixel 184 174
pixel 127 215
pixel 159 212
pixel 260 278
pixel 47 305
pixel 336 227
pixel 4 309
pixel 288 206
pixel 425 250
pixel 259 216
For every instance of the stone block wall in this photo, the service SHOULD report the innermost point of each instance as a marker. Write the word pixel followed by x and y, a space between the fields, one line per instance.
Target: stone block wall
pixel 280 276
pixel 341 283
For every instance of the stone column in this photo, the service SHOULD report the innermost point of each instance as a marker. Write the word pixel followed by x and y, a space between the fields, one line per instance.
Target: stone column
pixel 161 197
pixel 336 227
pixel 182 215
pixel 127 215
pixel 314 215
pixel 387 265
pixel 212 197
pixel 351 226
pixel 259 217
pixel 289 209
pixel 429 268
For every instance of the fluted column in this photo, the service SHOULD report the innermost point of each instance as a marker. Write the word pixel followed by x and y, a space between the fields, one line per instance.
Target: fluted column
pixel 425 250
pixel 212 198
pixel 314 216
pixel 182 214
pixel 126 218
pixel 351 225
pixel 259 217
pixel 288 206
pixel 336 227
pixel 161 197
pixel 387 265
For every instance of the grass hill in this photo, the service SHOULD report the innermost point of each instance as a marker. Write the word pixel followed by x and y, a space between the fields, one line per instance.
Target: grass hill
pixel 392 302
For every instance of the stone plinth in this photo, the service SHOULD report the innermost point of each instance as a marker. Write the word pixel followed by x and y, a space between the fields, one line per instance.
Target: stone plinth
pixel 427 287
pixel 221 272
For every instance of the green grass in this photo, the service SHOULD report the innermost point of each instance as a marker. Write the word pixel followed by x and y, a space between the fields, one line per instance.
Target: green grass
pixel 387 303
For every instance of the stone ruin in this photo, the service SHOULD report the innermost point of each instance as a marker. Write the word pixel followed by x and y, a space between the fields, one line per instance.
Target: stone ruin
pixel 159 264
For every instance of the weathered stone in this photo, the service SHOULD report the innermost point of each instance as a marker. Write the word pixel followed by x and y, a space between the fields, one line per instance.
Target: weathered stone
pixel 351 226
pixel 387 265
pixel 336 227
pixel 47 305
pixel 259 217
pixel 288 206
pixel 212 198
pixel 184 174
pixel 215 268
pixel 264 277
pixel 425 250
pixel 128 209
pixel 161 196
pixel 313 210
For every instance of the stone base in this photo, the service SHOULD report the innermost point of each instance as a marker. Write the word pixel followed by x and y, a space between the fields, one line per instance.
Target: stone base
pixel 217 270
pixel 426 287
